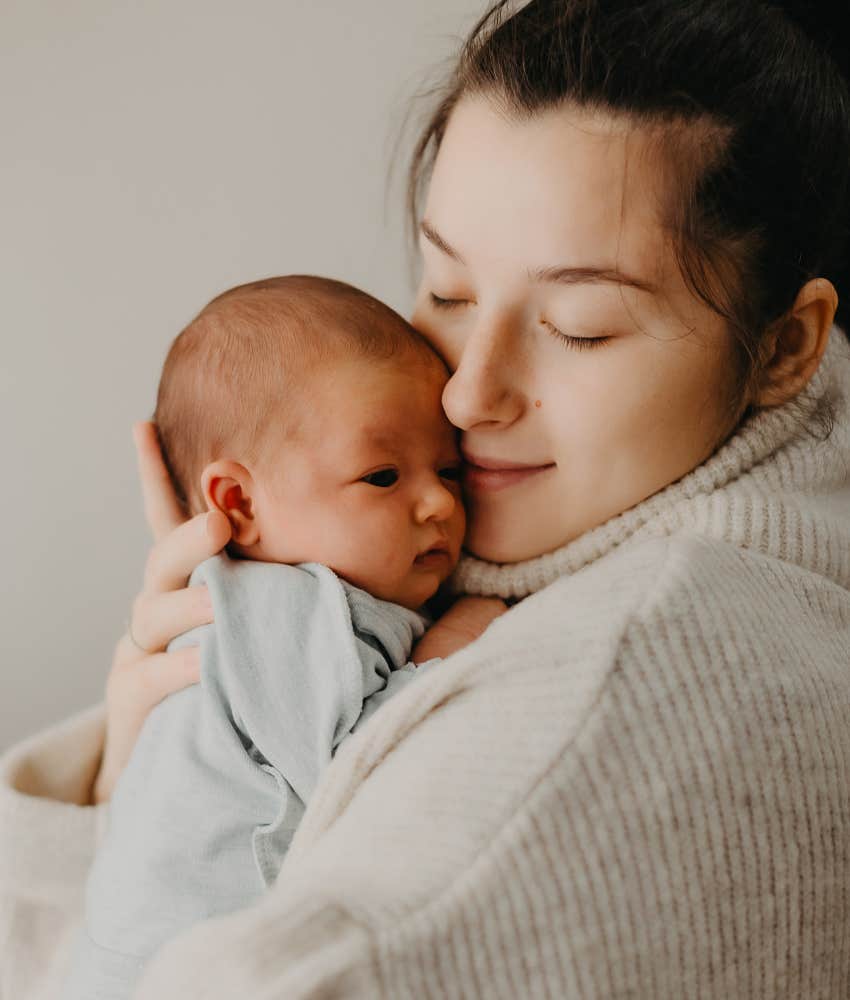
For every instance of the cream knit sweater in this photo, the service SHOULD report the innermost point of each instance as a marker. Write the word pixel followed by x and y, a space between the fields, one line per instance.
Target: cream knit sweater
pixel 635 784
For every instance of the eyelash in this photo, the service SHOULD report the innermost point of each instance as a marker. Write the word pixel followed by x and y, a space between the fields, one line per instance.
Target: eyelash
pixel 455 471
pixel 575 343
pixel 568 342
pixel 440 303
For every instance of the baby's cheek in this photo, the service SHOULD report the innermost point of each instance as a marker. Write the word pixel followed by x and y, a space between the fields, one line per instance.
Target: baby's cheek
pixel 386 554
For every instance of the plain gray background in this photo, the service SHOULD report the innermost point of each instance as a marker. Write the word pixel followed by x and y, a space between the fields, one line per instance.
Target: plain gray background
pixel 154 154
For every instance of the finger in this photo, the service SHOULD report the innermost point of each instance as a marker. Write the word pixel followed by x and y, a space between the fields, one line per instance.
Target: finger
pixel 173 558
pixel 125 657
pixel 159 617
pixel 162 509
pixel 164 673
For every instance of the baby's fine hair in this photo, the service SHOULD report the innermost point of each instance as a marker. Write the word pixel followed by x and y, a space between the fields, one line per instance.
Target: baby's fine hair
pixel 243 364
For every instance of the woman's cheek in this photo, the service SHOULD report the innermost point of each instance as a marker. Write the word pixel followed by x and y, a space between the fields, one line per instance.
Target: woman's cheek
pixel 446 342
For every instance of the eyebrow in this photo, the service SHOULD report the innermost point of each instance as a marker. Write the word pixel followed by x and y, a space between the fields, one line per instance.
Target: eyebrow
pixel 431 234
pixel 591 275
pixel 586 275
pixel 377 437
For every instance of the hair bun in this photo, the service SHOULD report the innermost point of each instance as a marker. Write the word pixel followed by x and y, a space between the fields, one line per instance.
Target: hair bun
pixel 824 23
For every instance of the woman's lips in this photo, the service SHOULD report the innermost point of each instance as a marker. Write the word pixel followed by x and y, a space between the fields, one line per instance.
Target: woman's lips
pixel 498 475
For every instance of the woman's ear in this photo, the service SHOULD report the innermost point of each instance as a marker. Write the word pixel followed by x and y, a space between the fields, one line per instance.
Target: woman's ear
pixel 229 487
pixel 797 344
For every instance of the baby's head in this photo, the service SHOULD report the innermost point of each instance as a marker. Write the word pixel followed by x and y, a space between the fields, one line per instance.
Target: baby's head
pixel 310 414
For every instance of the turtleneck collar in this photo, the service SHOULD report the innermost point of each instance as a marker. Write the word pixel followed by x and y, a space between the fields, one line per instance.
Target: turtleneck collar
pixel 774 486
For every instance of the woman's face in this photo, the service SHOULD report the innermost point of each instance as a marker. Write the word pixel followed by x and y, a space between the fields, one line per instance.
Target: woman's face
pixel 537 231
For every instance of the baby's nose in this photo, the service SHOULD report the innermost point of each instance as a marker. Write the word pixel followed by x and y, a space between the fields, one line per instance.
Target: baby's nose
pixel 438 502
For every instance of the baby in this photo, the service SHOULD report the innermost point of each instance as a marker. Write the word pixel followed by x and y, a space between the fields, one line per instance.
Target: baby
pixel 310 414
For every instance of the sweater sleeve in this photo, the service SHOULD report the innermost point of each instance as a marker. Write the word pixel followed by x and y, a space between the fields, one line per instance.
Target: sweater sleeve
pixel 649 811
pixel 48 835
pixel 654 807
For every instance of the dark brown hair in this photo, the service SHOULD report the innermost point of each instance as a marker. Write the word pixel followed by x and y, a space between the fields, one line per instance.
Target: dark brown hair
pixel 755 125
pixel 242 366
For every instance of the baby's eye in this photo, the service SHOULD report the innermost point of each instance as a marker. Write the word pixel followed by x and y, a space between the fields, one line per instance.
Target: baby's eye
pixel 452 472
pixel 382 478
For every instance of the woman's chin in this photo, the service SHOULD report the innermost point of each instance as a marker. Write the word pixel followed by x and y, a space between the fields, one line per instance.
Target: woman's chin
pixel 501 546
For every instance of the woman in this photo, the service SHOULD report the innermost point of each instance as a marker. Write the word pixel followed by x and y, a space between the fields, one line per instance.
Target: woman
pixel 636 782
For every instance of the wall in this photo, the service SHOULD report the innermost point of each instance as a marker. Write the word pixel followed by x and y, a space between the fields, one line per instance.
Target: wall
pixel 154 154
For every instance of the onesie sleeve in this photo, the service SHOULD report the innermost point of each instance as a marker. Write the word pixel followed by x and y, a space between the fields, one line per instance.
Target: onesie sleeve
pixel 299 658
pixel 297 653
pixel 386 633
pixel 396 682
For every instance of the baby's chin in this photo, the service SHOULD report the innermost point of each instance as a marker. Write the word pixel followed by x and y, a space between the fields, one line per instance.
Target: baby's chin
pixel 428 596
pixel 411 594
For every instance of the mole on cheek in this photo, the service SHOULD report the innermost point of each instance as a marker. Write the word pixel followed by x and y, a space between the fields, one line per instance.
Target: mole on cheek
pixel 537 403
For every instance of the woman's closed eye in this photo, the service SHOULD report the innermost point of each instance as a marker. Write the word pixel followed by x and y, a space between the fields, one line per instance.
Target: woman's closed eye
pixel 567 341
pixel 574 343
pixel 439 302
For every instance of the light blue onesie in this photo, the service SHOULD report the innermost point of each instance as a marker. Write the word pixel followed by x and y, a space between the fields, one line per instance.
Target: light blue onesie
pixel 207 806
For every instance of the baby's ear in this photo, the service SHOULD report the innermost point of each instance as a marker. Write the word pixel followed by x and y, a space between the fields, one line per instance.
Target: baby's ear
pixel 229 487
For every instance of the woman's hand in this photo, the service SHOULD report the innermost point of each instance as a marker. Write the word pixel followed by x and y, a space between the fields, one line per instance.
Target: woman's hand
pixel 464 622
pixel 142 672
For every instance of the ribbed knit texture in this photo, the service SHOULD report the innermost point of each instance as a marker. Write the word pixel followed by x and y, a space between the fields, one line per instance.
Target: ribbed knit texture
pixel 636 784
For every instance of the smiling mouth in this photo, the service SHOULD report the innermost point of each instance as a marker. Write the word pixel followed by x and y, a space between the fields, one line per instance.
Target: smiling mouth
pixel 487 475
pixel 500 464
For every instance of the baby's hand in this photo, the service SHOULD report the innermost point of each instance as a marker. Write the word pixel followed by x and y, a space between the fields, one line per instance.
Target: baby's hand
pixel 464 622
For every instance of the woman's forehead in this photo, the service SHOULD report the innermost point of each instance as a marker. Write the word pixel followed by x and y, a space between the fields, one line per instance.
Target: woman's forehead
pixel 566 187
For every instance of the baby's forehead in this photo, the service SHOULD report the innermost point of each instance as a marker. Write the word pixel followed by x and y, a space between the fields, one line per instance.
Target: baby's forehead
pixel 415 444
pixel 395 419
pixel 348 401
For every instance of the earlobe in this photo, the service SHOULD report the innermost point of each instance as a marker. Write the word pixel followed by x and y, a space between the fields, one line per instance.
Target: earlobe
pixel 797 344
pixel 229 487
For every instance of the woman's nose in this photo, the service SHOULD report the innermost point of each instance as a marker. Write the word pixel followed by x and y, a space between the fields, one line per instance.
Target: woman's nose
pixel 437 502
pixel 485 386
